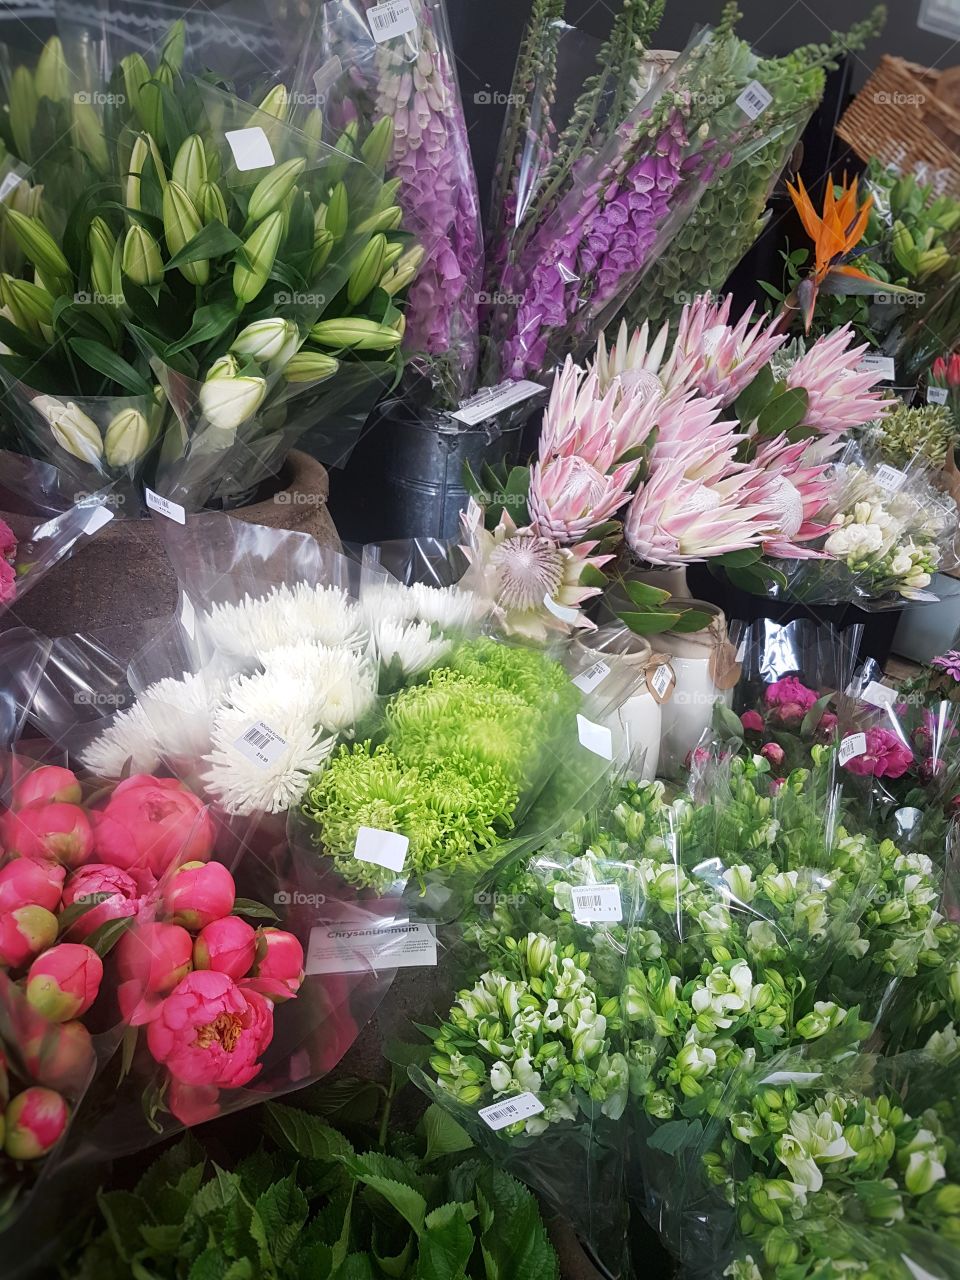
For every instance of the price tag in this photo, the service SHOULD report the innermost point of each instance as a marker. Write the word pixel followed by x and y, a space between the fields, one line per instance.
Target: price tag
pixel 261 744
pixel 889 478
pixel 661 680
pixel 99 516
pixel 792 1077
pixel 164 507
pixel 385 848
pixel 879 695
pixel 882 367
pixel 596 903
pixel 937 395
pixel 754 100
pixel 391 18
pixel 251 148
pixel 851 747
pixel 493 400
pixel 561 611
pixel 595 737
pixel 360 947
pixel 510 1110
pixel 588 680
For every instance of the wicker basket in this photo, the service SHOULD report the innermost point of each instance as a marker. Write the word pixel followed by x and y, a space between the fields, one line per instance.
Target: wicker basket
pixel 898 119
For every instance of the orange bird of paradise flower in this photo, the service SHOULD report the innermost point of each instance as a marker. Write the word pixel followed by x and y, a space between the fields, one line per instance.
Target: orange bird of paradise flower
pixel 835 234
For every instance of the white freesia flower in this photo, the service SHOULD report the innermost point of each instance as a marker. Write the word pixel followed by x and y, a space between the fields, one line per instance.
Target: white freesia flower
pixel 129 740
pixel 284 616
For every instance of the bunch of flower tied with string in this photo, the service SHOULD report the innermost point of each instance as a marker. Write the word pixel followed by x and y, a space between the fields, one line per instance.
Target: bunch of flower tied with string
pixel 244 266
pixel 637 454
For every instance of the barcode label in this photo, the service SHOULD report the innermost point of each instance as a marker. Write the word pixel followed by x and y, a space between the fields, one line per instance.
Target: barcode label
pixel 512 1110
pixel 882 367
pixel 661 681
pixel 595 737
pixel 385 848
pixel 393 18
pixel 358 947
pixel 261 744
pixel 850 748
pixel 596 903
pixel 251 148
pixel 879 695
pixel 889 478
pixel 937 395
pixel 164 507
pixel 493 400
pixel 589 679
pixel 754 100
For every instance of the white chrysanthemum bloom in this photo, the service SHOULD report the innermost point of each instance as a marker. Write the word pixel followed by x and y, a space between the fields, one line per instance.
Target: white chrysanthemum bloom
pixel 387 600
pixel 180 712
pixel 412 644
pixel 129 740
pixel 323 615
pixel 339 683
pixel 450 608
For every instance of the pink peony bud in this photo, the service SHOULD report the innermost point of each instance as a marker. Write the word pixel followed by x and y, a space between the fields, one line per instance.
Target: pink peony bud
pixel 226 946
pixel 199 892
pixel 55 832
pixel 47 785
pixel 151 960
pixel 773 752
pixel 23 881
pixel 60 1057
pixel 953 807
pixel 115 892
pixel 828 722
pixel 24 933
pixel 752 721
pixel 154 823
pixel 278 971
pixel 63 982
pixel 192 1103
pixel 36 1120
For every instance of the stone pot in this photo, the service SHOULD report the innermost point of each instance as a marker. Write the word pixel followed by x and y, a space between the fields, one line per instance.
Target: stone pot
pixel 123 574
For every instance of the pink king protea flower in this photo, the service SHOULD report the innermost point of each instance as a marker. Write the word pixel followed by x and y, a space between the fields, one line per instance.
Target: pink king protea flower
pixel 840 397
pixel 796 490
pixel 718 358
pixel 635 361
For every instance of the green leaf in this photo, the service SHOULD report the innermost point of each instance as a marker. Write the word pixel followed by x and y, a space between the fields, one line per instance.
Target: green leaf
pixel 644 596
pixel 410 1204
pixel 70 915
pixel 727 721
pixel 444 1135
pixel 212 241
pixel 253 910
pixel 784 412
pixel 514 1242
pixel 737 559
pixel 813 717
pixel 112 366
pixel 211 1265
pixel 107 935
pixel 673 1136
pixel 124 1213
pixel 752 399
pixel 278 1218
pixel 446 1245
pixel 15 338
pixel 358 1266
pixel 163 1240
pixel 396 1264
pixel 218 1193
pixel 591 576
pixel 209 322
pixel 650 624
pixel 303 1134
pixel 693 620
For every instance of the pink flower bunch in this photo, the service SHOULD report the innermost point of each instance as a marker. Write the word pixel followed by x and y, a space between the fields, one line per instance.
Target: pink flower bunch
pixel 8 574
pixel 886 756
pixel 788 700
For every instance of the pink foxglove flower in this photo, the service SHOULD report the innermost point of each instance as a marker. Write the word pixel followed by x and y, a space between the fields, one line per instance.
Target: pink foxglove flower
pixel 885 757
pixel 718 358
pixel 8 574
pixel 841 397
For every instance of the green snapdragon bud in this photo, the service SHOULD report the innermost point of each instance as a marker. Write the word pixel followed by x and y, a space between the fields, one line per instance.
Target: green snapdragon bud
pixel 140 258
pixel 261 251
pixel 780 1249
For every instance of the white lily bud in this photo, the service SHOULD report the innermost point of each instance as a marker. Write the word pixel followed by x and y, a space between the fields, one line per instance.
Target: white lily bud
pixel 264 340
pixel 127 438
pixel 73 431
pixel 228 402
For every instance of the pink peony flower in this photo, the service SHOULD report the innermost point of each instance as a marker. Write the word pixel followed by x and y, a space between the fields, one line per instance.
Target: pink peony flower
pixel 52 832
pixel 198 893
pixel 117 894
pixel 886 756
pixel 35 1123
pixel 193 1103
pixel 8 582
pixel 46 785
pixel 773 752
pixel 789 699
pixel 226 946
pixel 24 882
pixel 752 721
pixel 153 823
pixel 151 960
pixel 211 1032
pixel 8 541
pixel 60 1057
pixel 64 982
pixel 24 933
pixel 827 725
pixel 278 972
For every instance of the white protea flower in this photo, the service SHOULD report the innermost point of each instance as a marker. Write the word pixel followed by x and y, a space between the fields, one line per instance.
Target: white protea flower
pixel 128 743
pixel 412 644
pixel 286 615
pixel 180 712
pixel 339 683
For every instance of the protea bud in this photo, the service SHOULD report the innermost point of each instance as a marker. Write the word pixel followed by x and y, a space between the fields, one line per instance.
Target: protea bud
pixel 23 110
pixel 42 250
pixel 190 165
pixel 73 431
pixel 126 438
pixel 264 340
pixel 366 274
pixel 103 245
pixel 273 188
pixel 141 259
pixel 52 76
pixel 210 203
pixel 338 212
pixel 357 334
pixel 261 250
pixel 136 73
pixel 181 223
pixel 378 143
pixel 310 366
pixel 88 136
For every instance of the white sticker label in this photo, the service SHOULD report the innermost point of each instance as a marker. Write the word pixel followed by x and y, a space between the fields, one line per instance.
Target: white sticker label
pixel 792 1077
pixel 391 18
pixel 385 848
pixel 937 395
pixel 595 737
pixel 596 903
pixel 661 680
pixel 511 1110
pixel 754 100
pixel 561 611
pixel 850 748
pixel 589 679
pixel 882 367
pixel 889 478
pixel 164 507
pixel 99 516
pixel 879 695
pixel 349 948
pixel 261 744
pixel 486 404
pixel 251 148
